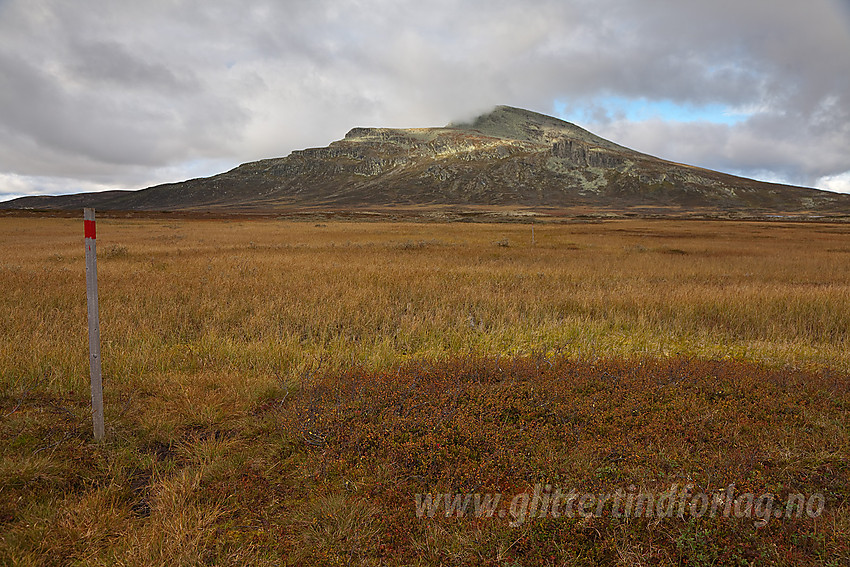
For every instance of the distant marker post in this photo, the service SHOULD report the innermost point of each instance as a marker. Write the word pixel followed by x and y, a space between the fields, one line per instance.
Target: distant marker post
pixel 94 325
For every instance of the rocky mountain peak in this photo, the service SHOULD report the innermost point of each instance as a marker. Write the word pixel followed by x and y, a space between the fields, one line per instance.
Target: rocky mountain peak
pixel 519 124
pixel 506 157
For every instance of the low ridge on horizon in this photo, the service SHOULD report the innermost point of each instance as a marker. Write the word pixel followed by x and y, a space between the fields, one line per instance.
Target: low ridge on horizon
pixel 507 157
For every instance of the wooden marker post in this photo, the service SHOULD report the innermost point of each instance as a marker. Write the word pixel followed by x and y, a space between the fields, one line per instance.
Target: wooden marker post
pixel 94 325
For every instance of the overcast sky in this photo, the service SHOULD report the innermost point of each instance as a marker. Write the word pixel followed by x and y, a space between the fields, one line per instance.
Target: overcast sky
pixel 103 94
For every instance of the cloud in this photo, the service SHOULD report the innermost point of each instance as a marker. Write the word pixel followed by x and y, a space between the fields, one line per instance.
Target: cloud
pixel 120 93
pixel 112 101
pixel 838 183
pixel 14 186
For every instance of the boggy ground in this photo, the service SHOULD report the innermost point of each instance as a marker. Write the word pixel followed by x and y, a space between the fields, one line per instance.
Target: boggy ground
pixel 281 391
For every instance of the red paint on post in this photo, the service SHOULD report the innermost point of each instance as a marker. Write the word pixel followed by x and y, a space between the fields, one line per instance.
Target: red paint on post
pixel 89 228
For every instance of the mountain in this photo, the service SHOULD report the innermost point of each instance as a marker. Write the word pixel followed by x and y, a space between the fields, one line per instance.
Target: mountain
pixel 508 157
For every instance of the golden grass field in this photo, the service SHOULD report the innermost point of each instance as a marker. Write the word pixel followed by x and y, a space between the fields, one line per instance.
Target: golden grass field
pixel 277 391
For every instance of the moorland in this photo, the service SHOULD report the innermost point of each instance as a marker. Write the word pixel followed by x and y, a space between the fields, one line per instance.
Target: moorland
pixel 277 391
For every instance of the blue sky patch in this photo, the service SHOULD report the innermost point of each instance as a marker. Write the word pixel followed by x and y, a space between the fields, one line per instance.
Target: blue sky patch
pixel 608 108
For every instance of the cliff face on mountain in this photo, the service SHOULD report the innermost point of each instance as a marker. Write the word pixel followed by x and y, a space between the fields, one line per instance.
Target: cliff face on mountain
pixel 508 157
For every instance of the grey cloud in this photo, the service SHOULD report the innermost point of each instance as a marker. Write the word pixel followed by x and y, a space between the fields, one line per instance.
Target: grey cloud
pixel 108 90
pixel 99 99
pixel 118 127
pixel 102 63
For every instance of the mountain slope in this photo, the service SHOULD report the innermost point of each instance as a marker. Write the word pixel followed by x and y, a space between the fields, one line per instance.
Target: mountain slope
pixel 510 157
